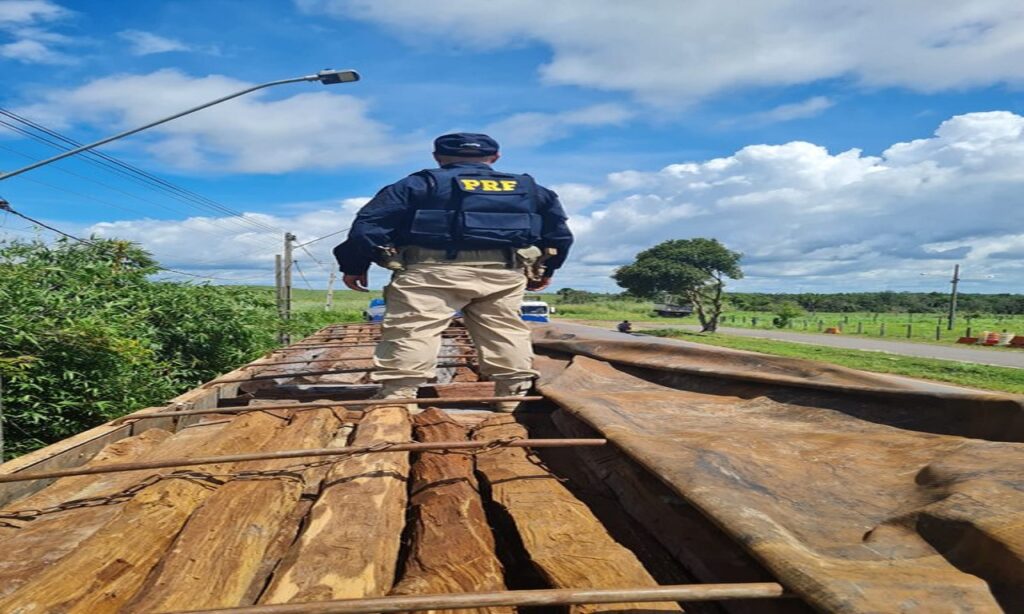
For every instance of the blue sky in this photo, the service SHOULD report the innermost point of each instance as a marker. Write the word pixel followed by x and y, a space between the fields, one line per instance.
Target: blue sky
pixel 853 146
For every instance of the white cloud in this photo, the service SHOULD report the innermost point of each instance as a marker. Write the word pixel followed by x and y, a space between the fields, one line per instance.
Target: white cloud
pixel 231 249
pixel 805 218
pixel 540 128
pixel 670 51
pixel 317 128
pixel 20 21
pixel 147 43
pixel 32 52
pixel 810 107
pixel 20 12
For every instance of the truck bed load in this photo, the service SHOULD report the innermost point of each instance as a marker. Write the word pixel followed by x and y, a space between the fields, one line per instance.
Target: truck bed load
pixel 652 473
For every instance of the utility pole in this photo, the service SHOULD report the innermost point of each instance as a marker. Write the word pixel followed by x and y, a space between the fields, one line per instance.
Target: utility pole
pixel 279 295
pixel 1 419
pixel 952 297
pixel 286 289
pixel 330 293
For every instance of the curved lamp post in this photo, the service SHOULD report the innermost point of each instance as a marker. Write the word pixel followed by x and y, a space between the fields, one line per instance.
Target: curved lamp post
pixel 327 77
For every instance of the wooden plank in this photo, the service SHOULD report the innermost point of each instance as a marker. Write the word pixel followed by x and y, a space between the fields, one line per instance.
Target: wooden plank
pixel 221 550
pixel 289 529
pixel 452 548
pixel 106 568
pixel 692 540
pixel 350 546
pixel 42 542
pixel 566 543
pixel 67 489
pixel 71 452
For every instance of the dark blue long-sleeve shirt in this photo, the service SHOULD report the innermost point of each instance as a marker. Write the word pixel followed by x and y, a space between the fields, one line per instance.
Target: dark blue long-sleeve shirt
pixel 380 221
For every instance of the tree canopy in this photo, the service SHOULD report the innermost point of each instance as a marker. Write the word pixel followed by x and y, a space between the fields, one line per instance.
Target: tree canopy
pixel 692 268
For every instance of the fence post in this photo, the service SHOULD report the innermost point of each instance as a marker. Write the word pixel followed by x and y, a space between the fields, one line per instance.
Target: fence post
pixel 881 329
pixel 909 329
pixel 860 327
pixel 821 323
pixel 938 332
pixel 968 332
pixel 753 322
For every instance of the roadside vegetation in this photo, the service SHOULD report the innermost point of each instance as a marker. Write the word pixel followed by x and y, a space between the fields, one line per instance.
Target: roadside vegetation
pixel 85 336
pixel 959 373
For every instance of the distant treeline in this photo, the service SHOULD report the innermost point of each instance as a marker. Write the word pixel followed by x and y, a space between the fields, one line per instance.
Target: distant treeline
pixel 882 302
pixel 875 302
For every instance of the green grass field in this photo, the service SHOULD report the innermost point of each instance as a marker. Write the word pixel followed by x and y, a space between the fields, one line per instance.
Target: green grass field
pixel 923 327
pixel 987 377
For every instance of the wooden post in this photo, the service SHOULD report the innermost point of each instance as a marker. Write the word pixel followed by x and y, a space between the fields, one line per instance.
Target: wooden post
pixel 286 291
pixel 952 296
pixel 938 333
pixel 279 296
pixel 329 303
pixel 860 327
pixel 881 329
pixel 910 328
pixel 1 419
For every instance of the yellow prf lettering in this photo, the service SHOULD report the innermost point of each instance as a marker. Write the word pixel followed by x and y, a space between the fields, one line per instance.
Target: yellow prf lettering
pixel 470 184
pixel 509 186
pixel 489 185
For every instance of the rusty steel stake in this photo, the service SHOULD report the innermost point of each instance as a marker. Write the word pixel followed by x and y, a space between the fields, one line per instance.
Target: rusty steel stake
pixel 311 453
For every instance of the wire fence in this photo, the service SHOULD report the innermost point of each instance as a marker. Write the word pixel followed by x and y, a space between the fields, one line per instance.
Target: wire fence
pixel 986 330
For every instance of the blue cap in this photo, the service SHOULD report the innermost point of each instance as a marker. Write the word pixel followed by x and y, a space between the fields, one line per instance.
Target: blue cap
pixel 465 145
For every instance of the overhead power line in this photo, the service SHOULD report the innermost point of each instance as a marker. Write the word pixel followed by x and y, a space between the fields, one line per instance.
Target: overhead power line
pixel 117 166
pixel 6 207
pixel 324 237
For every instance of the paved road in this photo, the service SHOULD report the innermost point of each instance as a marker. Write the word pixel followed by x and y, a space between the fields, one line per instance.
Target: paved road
pixel 999 357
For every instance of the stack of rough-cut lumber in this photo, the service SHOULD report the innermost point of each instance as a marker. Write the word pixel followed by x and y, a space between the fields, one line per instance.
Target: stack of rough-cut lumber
pixel 292 533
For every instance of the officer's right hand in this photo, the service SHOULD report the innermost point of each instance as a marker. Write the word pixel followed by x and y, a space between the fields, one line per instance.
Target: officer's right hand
pixel 356 282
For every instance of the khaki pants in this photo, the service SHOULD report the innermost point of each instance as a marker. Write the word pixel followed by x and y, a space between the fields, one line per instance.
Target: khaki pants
pixel 421 300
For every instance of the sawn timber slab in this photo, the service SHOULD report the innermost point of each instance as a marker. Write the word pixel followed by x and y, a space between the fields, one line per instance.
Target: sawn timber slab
pixel 568 545
pixel 452 547
pixel 349 547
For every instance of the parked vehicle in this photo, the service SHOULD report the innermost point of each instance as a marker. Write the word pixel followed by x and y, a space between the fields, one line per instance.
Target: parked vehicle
pixel 535 311
pixel 375 310
pixel 670 310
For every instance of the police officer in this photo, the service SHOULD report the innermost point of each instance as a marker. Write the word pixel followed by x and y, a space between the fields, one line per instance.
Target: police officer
pixel 458 238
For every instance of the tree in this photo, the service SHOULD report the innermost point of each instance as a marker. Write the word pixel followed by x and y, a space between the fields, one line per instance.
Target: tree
pixel 785 312
pixel 693 268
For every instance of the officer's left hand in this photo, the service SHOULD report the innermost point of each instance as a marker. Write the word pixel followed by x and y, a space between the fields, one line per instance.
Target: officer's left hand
pixel 356 282
pixel 536 286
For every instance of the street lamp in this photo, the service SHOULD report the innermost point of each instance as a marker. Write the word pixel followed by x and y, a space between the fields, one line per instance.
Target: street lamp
pixel 327 77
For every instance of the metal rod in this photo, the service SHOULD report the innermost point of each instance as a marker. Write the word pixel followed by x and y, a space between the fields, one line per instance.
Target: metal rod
pixel 308 406
pixel 362 338
pixel 344 359
pixel 311 453
pixel 526 598
pixel 312 373
pixel 293 348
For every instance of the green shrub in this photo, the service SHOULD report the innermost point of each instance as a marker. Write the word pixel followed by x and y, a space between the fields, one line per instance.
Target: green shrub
pixel 85 336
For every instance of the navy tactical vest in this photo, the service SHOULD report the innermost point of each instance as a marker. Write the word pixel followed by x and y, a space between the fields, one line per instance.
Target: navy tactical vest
pixel 476 208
